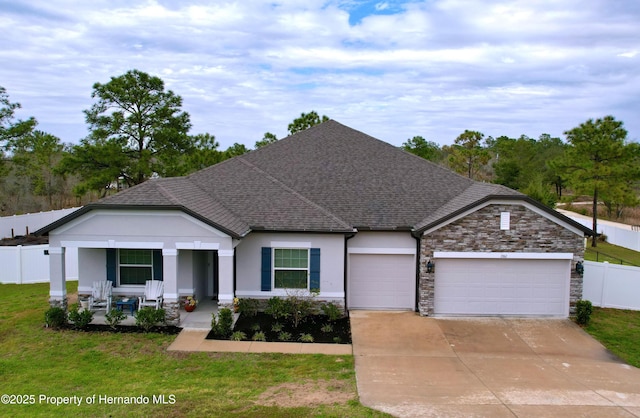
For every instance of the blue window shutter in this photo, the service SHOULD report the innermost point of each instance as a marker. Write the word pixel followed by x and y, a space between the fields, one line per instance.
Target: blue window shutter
pixel 314 276
pixel 112 265
pixel 265 281
pixel 157 264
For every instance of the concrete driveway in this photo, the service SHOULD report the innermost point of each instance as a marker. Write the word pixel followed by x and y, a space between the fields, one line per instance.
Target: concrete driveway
pixel 412 366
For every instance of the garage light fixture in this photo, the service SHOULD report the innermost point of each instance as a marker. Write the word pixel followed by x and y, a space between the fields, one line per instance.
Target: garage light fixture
pixel 580 268
pixel 431 267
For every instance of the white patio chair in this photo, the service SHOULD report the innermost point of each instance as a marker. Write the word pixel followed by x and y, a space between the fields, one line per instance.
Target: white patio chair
pixel 101 296
pixel 153 293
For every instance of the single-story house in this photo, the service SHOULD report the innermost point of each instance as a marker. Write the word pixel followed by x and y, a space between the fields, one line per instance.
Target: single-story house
pixel 332 210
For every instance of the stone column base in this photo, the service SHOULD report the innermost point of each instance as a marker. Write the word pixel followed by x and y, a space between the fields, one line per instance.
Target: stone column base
pixel 172 311
pixel 58 303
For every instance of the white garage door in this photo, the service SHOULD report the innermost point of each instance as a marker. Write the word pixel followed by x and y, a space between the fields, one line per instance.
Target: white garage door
pixel 381 281
pixel 502 287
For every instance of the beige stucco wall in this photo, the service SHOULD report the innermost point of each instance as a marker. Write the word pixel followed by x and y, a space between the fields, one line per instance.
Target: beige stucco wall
pixel 248 262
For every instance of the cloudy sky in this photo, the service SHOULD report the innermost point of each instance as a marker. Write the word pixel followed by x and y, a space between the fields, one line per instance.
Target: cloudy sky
pixel 393 69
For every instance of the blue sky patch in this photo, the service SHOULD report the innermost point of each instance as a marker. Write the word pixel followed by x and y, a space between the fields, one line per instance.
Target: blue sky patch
pixel 359 10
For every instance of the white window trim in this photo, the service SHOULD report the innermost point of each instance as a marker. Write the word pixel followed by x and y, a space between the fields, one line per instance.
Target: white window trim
pixel 505 221
pixel 118 265
pixel 274 268
pixel 503 255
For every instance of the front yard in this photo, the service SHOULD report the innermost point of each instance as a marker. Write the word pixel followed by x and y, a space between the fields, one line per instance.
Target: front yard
pixel 619 331
pixel 105 371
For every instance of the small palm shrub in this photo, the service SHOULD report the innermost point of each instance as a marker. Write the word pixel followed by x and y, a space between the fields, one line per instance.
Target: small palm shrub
pixel 238 336
pixel 259 336
pixel 326 328
pixel 284 336
pixel 276 327
pixel 306 338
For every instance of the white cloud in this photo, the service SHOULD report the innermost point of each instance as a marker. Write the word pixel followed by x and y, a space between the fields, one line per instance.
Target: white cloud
pixel 431 68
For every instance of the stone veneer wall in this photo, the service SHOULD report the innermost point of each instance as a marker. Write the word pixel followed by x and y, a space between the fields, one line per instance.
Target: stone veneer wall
pixel 480 232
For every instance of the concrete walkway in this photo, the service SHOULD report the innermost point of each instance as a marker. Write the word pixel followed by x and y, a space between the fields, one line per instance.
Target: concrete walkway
pixel 411 366
pixel 194 340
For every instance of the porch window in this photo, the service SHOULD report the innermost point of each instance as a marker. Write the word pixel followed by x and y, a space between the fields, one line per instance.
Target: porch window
pixel 290 268
pixel 135 267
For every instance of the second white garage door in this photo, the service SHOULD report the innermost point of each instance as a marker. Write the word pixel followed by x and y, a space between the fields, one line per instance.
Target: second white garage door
pixel 502 287
pixel 381 281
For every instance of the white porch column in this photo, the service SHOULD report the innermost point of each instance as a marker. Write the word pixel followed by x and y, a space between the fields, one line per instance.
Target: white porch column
pixel 57 278
pixel 171 305
pixel 170 274
pixel 225 277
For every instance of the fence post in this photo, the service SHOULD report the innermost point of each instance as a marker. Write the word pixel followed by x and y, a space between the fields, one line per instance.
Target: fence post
pixel 19 266
pixel 604 284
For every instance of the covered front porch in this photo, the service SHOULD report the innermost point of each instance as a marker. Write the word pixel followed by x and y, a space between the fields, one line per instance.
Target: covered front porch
pixel 198 320
pixel 130 247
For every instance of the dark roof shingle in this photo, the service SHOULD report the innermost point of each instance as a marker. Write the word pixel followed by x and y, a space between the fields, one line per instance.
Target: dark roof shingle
pixel 327 178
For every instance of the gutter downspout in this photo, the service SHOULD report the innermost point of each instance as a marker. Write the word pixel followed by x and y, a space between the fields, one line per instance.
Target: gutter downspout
pixel 347 237
pixel 418 242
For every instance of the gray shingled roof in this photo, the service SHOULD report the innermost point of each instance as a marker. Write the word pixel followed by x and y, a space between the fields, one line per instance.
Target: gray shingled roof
pixel 327 178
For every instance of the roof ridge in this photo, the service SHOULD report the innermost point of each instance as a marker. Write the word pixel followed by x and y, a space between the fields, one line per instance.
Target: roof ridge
pixel 212 198
pixel 166 193
pixel 293 191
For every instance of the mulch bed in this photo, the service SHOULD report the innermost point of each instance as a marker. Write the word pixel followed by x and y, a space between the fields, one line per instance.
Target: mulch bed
pixel 341 333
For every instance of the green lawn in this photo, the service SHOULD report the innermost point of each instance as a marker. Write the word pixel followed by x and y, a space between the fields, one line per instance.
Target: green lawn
pixel 615 252
pixel 99 367
pixel 619 331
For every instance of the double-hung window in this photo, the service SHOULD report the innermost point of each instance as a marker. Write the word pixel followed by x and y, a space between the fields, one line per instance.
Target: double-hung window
pixel 291 268
pixel 135 267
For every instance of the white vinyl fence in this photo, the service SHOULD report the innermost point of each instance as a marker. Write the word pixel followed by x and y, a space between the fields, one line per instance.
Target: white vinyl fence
pixel 30 223
pixel 612 285
pixel 30 264
pixel 626 236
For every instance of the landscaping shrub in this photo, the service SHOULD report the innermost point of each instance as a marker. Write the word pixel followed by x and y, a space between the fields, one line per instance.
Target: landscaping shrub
pixel 148 317
pixel 55 318
pixel 238 336
pixel 333 311
pixel 114 317
pixel 222 324
pixel 259 336
pixel 284 336
pixel 584 308
pixel 306 338
pixel 248 307
pixel 80 320
pixel 300 306
pixel 278 308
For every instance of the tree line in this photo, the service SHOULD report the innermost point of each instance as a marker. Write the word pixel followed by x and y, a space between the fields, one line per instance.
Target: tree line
pixel 138 130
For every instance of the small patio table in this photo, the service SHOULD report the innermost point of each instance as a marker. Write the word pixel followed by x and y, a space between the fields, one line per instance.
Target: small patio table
pixel 132 303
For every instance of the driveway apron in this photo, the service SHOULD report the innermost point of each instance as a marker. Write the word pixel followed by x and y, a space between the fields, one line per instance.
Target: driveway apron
pixel 412 366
